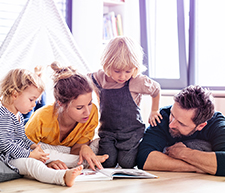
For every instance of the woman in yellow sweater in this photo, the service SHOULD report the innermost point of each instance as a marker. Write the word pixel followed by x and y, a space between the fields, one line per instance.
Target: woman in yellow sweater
pixel 67 127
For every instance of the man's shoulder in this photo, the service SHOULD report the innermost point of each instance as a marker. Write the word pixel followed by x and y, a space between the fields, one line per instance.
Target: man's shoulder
pixel 216 123
pixel 165 111
pixel 164 124
pixel 218 114
pixel 217 117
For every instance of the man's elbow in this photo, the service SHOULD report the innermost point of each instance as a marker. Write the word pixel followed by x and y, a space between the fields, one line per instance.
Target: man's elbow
pixel 141 160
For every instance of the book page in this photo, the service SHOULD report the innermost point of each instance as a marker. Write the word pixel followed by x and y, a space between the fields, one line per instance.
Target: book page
pixel 128 173
pixel 90 175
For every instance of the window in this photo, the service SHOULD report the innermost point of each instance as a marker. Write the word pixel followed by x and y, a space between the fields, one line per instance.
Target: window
pixel 185 44
pixel 10 9
pixel 165 34
pixel 207 64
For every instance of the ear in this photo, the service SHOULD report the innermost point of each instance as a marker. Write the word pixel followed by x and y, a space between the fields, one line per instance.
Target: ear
pixel 14 94
pixel 201 126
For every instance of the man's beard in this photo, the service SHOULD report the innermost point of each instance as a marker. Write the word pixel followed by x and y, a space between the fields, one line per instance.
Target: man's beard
pixel 177 134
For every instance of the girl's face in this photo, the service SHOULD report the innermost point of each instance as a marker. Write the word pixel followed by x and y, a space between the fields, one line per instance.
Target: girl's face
pixel 79 109
pixel 121 76
pixel 25 101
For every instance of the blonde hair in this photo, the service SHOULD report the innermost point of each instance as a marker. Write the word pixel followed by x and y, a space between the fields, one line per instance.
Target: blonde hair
pixel 69 84
pixel 121 53
pixel 18 80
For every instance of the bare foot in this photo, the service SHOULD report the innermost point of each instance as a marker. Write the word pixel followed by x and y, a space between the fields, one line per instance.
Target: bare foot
pixel 71 174
pixel 102 158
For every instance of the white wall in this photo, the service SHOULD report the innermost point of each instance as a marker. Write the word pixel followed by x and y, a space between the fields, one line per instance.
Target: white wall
pixel 167 99
pixel 87 23
pixel 132 19
pixel 86 28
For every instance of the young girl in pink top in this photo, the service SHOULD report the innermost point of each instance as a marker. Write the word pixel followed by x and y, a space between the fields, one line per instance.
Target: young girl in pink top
pixel 120 86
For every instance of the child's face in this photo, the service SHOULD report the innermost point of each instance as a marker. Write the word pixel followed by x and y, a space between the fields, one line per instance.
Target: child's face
pixel 80 108
pixel 121 76
pixel 25 101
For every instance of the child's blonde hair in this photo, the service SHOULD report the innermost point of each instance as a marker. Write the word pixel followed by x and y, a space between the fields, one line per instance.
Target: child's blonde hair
pixel 18 80
pixel 121 53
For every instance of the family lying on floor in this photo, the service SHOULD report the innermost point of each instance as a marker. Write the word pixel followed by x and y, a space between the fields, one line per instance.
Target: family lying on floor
pixel 57 141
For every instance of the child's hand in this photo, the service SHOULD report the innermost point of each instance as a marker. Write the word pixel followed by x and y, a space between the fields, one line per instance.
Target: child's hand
pixel 154 116
pixel 39 154
pixel 33 146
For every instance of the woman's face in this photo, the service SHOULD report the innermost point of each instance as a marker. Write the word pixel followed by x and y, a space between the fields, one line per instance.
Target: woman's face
pixel 79 109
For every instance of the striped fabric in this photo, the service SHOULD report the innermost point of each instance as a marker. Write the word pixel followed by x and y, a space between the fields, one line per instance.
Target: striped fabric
pixel 13 141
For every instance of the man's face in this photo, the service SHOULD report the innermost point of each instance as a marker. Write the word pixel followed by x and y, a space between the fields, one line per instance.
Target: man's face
pixel 180 121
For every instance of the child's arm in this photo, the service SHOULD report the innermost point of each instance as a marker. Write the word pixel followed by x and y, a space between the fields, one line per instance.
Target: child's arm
pixel 17 148
pixel 155 114
pixel 33 146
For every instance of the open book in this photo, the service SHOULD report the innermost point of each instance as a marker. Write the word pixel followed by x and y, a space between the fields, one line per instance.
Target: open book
pixel 111 173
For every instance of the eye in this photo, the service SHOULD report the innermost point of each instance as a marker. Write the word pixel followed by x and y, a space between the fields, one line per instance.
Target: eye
pixel 79 108
pixel 183 125
pixel 117 71
pixel 31 100
pixel 128 71
pixel 90 103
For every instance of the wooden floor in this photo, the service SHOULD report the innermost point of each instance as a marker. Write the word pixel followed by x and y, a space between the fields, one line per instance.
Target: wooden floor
pixel 167 182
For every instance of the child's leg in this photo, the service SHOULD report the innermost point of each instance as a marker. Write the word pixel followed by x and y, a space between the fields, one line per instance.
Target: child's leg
pixel 38 170
pixel 127 158
pixel 107 146
pixel 71 174
pixel 94 145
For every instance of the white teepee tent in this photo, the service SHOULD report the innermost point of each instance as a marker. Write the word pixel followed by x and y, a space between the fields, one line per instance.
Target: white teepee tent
pixel 40 36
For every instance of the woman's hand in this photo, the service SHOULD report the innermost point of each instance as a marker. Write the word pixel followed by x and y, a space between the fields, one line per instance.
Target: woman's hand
pixel 87 154
pixel 57 165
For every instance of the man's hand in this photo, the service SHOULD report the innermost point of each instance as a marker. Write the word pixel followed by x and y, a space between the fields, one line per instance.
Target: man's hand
pixel 204 162
pixel 176 150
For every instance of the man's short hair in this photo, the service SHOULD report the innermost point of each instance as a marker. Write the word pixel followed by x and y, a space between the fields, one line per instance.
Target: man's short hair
pixel 198 98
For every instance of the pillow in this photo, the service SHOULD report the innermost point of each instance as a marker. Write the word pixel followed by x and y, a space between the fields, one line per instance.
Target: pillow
pixel 7 174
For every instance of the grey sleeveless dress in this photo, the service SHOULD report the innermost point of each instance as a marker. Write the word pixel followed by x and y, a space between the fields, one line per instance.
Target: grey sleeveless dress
pixel 121 127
